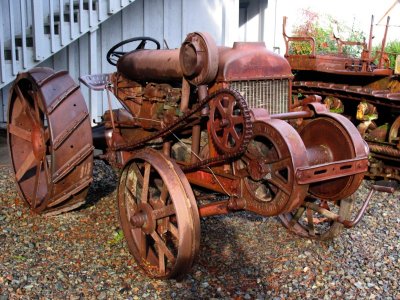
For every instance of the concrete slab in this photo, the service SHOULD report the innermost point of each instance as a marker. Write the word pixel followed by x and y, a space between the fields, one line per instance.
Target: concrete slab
pixel 4 157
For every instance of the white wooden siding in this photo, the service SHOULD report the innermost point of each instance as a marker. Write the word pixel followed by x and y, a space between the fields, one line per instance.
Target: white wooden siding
pixel 161 19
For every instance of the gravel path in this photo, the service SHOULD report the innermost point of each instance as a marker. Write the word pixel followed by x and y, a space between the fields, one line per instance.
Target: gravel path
pixel 80 255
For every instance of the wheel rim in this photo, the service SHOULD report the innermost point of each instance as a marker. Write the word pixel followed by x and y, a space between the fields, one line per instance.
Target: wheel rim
pixel 158 215
pixel 51 158
pixel 270 161
pixel 308 223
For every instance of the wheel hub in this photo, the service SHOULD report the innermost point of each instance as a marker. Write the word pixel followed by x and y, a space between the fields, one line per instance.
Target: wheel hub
pixel 257 170
pixel 144 218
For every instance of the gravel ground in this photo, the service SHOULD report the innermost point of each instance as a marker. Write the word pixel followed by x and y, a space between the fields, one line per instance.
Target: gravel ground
pixel 80 255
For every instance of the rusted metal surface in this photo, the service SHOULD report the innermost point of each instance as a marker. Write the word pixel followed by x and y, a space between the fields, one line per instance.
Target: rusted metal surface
pixel 215 119
pixel 354 83
pixel 50 141
pixel 271 161
pixel 323 220
pixel 158 215
pixel 154 65
pixel 230 123
pixel 251 61
pixel 340 143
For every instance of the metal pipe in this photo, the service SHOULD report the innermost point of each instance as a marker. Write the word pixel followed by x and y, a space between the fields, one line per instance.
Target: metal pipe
pixel 185 95
pixel 370 37
pixel 213 209
pixel 196 130
pixel 110 108
pixel 293 115
pixel 383 44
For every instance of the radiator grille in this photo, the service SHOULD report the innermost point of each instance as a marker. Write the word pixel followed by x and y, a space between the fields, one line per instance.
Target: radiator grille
pixel 272 95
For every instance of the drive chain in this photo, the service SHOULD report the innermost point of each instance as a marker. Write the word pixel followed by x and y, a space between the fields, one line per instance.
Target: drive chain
pixel 181 121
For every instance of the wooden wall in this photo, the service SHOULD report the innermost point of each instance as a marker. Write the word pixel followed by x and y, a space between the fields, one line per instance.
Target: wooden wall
pixel 161 19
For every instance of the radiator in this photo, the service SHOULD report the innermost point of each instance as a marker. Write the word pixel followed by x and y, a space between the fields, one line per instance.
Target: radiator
pixel 272 95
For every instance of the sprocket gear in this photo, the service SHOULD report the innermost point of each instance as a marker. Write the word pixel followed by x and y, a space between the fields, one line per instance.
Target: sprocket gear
pixel 230 122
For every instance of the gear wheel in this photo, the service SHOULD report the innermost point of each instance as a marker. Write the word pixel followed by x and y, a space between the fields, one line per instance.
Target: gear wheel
pixel 230 122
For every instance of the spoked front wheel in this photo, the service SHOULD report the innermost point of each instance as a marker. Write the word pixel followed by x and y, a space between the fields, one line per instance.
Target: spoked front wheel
pixel 158 215
pixel 307 221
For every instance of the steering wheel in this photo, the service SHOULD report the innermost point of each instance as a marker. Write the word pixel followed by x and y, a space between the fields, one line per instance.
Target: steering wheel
pixel 113 56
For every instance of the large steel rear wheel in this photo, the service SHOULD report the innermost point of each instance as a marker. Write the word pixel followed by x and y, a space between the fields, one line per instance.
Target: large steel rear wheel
pixel 269 165
pixel 50 141
pixel 158 215
pixel 328 138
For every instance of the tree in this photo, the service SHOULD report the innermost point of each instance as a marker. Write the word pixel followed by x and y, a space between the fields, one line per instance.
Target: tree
pixel 325 35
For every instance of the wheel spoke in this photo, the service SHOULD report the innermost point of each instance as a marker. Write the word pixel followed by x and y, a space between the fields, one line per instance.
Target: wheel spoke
pixel 37 182
pixel 46 173
pixel 280 164
pixel 300 211
pixel 161 260
pixel 20 132
pixel 24 102
pixel 234 135
pixel 46 135
pixel 225 138
pixel 237 120
pixel 21 96
pixel 280 183
pixel 174 230
pixel 146 181
pixel 131 197
pixel 310 221
pixel 26 165
pixel 221 110
pixel 217 124
pixel 160 243
pixel 139 175
pixel 229 110
pixel 36 107
pixel 324 204
pixel 164 212
pixel 142 243
pixel 164 194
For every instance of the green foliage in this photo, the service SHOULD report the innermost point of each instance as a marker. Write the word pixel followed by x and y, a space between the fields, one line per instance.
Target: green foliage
pixel 392 49
pixel 19 257
pixel 313 25
pixel 118 236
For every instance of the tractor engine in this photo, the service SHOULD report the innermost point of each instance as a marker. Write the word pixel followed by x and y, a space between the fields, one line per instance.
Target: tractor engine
pixel 261 76
pixel 157 86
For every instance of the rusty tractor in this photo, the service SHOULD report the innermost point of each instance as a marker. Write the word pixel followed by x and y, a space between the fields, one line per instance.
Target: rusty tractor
pixel 203 130
pixel 364 89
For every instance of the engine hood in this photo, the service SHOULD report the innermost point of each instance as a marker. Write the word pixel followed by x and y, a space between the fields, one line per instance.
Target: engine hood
pixel 243 61
pixel 250 61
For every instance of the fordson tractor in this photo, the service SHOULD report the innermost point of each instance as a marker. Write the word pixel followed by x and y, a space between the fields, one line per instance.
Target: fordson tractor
pixel 203 130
